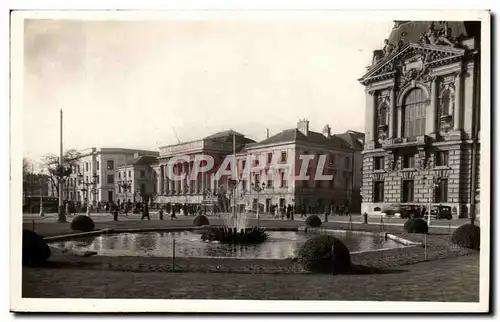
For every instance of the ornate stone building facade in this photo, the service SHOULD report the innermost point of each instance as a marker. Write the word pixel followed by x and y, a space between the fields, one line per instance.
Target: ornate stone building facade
pixel 422 118
pixel 263 188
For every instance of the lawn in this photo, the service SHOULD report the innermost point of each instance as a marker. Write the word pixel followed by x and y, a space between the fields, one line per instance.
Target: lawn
pixel 451 279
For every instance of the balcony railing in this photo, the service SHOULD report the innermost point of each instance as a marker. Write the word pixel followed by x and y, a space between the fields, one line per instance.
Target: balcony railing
pixel 392 143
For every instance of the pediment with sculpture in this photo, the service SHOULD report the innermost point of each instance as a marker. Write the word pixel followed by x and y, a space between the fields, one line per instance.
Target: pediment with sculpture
pixel 412 62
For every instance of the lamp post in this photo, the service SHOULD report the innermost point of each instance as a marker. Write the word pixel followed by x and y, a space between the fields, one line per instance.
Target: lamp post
pixel 126 185
pixel 41 199
pixel 88 188
pixel 433 182
pixel 258 188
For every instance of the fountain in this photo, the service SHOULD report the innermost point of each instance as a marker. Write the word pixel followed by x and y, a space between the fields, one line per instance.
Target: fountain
pixel 235 231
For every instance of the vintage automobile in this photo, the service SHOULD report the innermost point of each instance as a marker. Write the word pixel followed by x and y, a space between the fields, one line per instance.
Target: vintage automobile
pixel 441 212
pixel 410 211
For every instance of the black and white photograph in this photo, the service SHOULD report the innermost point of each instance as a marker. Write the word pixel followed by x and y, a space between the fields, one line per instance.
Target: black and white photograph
pixel 298 161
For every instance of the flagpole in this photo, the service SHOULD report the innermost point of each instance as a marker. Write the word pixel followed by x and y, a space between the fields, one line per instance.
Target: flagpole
pixel 234 190
pixel 62 215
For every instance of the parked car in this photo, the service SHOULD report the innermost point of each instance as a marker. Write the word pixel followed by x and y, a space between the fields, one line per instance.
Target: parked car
pixel 441 212
pixel 410 211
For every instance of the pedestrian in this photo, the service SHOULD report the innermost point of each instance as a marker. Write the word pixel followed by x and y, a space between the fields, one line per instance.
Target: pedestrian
pixel 145 212
pixel 288 212
pixel 160 213
pixel 67 208
pixel 303 211
pixel 172 216
pixel 423 211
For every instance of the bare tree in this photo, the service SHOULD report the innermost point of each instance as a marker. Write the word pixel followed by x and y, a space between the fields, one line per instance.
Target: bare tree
pixel 29 177
pixel 53 170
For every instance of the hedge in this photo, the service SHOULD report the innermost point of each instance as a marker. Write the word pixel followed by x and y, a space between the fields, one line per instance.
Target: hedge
pixel 35 249
pixel 201 220
pixel 467 235
pixel 324 254
pixel 313 221
pixel 416 226
pixel 82 223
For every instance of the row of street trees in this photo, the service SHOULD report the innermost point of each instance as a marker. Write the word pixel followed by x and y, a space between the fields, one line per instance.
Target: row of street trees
pixel 49 170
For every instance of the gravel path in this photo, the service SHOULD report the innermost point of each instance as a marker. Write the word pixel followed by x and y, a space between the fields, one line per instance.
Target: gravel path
pixel 452 279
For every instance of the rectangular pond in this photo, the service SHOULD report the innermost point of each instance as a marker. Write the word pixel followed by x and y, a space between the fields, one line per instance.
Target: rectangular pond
pixel 280 245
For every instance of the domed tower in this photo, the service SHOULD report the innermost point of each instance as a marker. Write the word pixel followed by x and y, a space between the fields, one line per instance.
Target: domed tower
pixel 422 107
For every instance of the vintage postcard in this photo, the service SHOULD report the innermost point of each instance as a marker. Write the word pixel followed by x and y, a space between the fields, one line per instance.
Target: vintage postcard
pixel 294 161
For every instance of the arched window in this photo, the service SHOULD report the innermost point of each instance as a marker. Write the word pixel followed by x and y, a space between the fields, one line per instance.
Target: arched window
pixel 414 106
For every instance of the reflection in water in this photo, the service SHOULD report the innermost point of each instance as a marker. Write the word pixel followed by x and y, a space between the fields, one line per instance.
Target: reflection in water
pixel 280 245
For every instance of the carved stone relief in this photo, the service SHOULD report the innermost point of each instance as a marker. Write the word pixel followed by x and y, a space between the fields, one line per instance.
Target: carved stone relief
pixel 446 99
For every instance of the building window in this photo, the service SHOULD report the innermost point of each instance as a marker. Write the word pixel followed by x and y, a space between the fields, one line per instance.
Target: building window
pixel 408 190
pixel 129 173
pixel 441 192
pixel 414 113
pixel 283 156
pixel 283 180
pixel 143 188
pixel 269 157
pixel 378 163
pixel 347 182
pixel 119 175
pixel 408 161
pixel 142 173
pixel 110 164
pixel 119 188
pixel 111 179
pixel 86 166
pixel 269 183
pixel 378 191
pixel 441 158
pixel 97 165
pixel 78 168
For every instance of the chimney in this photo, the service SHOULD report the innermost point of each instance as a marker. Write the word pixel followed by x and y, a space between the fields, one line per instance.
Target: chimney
pixel 303 126
pixel 267 133
pixel 327 131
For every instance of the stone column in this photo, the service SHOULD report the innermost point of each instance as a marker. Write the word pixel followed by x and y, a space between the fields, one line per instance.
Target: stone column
pixel 399 126
pixel 432 110
pixel 457 112
pixel 392 114
pixel 370 116
pixel 183 173
pixel 160 183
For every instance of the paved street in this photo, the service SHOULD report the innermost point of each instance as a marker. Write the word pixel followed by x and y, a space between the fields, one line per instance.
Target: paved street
pixel 356 219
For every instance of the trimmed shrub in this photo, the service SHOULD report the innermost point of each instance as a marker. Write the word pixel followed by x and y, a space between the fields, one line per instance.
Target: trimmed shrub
pixel 467 235
pixel 316 255
pixel 201 220
pixel 416 226
pixel 313 221
pixel 35 249
pixel 82 223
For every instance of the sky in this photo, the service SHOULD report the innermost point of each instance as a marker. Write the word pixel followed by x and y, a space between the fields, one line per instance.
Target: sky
pixel 130 84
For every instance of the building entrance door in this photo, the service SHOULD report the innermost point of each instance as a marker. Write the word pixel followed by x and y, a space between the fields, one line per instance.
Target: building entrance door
pixel 268 205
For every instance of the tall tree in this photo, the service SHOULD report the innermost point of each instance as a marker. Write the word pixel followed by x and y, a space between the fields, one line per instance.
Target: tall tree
pixel 52 168
pixel 29 177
